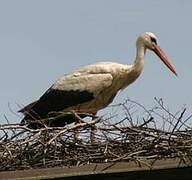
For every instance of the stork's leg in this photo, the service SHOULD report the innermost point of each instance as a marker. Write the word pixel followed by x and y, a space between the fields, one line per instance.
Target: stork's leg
pixel 78 120
pixel 93 134
pixel 93 131
pixel 76 133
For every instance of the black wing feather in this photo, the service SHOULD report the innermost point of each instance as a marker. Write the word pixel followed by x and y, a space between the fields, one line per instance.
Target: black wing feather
pixel 57 100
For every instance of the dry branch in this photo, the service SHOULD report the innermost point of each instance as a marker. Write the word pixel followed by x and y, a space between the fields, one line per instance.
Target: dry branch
pixel 132 137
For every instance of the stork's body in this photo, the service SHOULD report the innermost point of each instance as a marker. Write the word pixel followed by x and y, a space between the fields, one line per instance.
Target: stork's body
pixel 88 89
pixel 101 81
pixel 93 87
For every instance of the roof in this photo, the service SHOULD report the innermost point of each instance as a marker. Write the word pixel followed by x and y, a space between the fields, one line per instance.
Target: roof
pixel 169 169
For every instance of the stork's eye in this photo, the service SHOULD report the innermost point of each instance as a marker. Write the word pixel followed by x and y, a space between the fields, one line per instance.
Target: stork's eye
pixel 153 40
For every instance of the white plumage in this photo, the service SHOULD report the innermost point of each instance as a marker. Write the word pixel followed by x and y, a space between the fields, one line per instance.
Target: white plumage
pixel 104 80
pixel 93 87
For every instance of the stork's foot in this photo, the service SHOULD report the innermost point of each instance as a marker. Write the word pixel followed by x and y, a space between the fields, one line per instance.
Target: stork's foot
pixel 93 134
pixel 76 135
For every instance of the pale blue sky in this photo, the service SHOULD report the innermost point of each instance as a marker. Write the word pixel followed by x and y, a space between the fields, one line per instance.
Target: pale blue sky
pixel 40 40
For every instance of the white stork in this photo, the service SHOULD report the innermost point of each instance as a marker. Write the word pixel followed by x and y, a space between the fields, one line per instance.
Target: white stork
pixel 93 87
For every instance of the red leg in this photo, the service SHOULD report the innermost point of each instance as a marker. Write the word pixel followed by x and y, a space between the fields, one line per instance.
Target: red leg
pixel 93 132
pixel 76 133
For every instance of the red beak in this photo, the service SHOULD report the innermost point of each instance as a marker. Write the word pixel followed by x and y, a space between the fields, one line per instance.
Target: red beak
pixel 164 58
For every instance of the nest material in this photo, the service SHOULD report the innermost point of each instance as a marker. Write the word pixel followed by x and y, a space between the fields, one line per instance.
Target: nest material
pixel 127 137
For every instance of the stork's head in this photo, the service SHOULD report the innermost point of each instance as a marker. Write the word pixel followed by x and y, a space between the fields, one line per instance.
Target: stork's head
pixel 149 40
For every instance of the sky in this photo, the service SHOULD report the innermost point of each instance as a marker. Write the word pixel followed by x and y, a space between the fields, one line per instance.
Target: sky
pixel 41 40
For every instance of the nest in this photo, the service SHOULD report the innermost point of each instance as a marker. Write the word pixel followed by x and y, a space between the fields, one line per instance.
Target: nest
pixel 130 132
